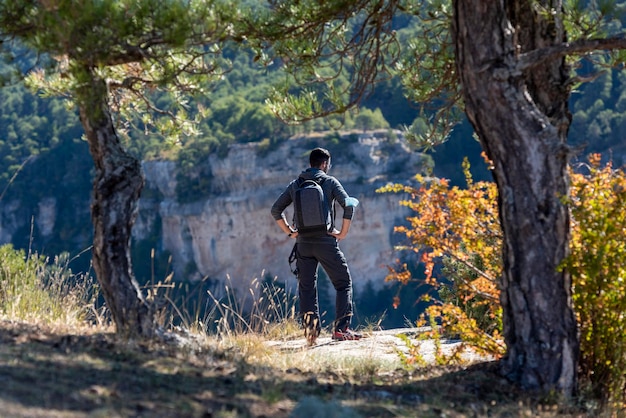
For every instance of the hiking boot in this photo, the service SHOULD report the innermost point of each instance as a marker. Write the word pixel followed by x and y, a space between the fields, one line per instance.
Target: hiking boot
pixel 311 335
pixel 312 327
pixel 346 335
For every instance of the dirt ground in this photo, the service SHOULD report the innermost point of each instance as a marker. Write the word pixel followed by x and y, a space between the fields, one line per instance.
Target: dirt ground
pixel 58 374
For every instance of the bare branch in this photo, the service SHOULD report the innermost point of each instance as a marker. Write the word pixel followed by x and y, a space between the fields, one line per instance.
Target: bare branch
pixel 536 57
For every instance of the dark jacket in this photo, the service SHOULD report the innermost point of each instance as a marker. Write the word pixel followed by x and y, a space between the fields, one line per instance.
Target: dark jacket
pixel 333 190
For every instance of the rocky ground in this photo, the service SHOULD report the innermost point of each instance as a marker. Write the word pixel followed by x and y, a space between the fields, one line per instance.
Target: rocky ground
pixel 386 346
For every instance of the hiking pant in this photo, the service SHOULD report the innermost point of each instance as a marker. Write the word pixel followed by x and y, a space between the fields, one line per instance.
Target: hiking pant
pixel 324 251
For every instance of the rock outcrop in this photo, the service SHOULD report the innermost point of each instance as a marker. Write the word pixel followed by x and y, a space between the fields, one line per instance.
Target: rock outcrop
pixel 225 229
pixel 230 231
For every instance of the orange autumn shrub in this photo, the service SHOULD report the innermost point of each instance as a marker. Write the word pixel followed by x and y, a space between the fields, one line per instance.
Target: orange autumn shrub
pixel 460 228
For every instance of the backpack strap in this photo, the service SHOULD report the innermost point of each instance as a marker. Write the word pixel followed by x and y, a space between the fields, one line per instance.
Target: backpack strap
pixel 292 257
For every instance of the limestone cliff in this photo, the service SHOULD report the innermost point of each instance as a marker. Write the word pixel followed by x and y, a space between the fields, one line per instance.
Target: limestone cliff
pixel 227 228
pixel 230 232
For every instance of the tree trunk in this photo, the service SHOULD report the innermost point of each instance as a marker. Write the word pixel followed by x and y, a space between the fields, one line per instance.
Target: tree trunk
pixel 522 122
pixel 117 186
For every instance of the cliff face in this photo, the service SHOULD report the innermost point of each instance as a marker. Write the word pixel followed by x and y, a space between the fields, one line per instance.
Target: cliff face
pixel 228 231
pixel 231 231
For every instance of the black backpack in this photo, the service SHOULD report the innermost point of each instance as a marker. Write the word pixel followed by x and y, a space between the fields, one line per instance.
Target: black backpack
pixel 312 214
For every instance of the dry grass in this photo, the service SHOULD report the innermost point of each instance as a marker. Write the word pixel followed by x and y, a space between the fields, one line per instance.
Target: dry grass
pixel 38 290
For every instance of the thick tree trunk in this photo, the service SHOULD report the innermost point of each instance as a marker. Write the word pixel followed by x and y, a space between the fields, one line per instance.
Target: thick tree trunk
pixel 522 121
pixel 117 186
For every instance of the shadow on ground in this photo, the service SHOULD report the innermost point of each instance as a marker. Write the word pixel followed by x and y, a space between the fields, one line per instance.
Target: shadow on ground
pixel 49 374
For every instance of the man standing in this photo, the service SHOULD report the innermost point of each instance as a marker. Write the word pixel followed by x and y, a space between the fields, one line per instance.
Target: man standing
pixel 322 248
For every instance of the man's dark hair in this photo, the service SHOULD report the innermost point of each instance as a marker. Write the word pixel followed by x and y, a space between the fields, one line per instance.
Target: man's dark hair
pixel 318 157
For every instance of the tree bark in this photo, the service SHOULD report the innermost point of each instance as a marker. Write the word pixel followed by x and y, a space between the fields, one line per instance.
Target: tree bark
pixel 116 189
pixel 522 122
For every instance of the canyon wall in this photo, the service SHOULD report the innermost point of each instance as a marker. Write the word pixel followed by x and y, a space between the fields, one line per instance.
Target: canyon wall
pixel 230 232
pixel 225 229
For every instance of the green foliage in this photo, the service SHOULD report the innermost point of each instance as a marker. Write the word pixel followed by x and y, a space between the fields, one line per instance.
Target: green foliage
pixel 412 358
pixel 428 72
pixel 587 20
pixel 58 179
pixel 192 178
pixel 368 120
pixel 152 64
pixel 598 266
pixel 30 125
pixel 33 290
pixel 415 46
pixel 599 113
pixel 304 36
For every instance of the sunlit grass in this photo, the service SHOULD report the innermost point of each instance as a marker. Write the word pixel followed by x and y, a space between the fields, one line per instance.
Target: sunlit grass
pixel 264 309
pixel 37 290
